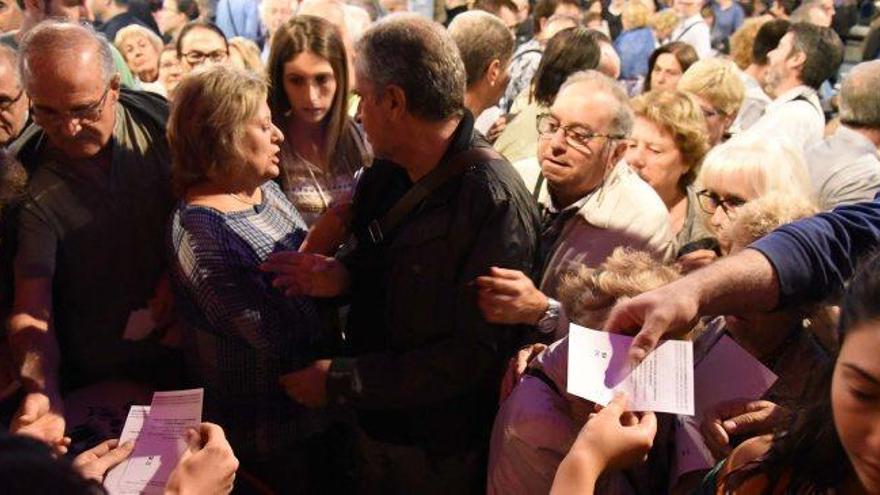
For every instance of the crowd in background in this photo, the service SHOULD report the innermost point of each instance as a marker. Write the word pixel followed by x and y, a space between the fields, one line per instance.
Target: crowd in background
pixel 365 227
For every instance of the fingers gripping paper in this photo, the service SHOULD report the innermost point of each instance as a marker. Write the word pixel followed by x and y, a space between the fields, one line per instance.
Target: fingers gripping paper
pixel 158 432
pixel 598 366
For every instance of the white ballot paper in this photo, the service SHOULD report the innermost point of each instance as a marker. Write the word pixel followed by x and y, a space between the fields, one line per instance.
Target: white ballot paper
pixel 598 366
pixel 158 431
pixel 727 372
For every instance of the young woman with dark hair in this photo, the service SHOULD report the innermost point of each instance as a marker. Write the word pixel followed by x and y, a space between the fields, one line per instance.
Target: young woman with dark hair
pixel 667 64
pixel 309 87
pixel 832 446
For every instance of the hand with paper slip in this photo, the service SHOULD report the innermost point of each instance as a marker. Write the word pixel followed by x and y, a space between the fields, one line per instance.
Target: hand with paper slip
pixel 598 366
pixel 172 451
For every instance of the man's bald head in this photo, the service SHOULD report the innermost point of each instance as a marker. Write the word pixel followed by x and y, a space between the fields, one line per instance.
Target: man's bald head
pixel 61 46
pixel 859 99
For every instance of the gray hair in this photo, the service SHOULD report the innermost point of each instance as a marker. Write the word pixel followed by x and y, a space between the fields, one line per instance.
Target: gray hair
pixel 138 30
pixel 62 39
pixel 481 38
pixel 859 100
pixel 419 56
pixel 9 56
pixel 622 121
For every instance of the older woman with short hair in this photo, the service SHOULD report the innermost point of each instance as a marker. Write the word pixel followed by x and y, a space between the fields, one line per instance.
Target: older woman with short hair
pixel 241 334
pixel 668 144
pixel 747 168
pixel 719 90
pixel 141 48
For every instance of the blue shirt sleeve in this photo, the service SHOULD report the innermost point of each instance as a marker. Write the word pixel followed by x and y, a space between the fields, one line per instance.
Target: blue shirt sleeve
pixel 814 257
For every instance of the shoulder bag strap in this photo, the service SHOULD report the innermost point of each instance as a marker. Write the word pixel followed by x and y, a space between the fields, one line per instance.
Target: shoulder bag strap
pixel 425 186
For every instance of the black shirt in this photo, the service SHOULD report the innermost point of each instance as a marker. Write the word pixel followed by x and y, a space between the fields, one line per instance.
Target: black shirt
pixel 425 364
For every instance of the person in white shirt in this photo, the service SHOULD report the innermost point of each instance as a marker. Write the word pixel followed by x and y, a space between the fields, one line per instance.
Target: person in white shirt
pixel 806 56
pixel 767 39
pixel 693 30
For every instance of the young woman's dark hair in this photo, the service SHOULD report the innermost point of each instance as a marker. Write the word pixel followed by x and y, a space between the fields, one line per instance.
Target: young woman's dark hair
pixel 683 52
pixel 808 455
pixel 568 51
pixel 300 34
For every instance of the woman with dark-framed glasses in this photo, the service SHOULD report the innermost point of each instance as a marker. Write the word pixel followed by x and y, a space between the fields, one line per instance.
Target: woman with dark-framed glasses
pixel 745 169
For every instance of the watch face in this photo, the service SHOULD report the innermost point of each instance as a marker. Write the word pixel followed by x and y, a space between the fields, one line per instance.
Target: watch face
pixel 550 320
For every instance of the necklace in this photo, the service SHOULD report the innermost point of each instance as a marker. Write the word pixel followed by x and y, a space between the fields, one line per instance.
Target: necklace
pixel 249 203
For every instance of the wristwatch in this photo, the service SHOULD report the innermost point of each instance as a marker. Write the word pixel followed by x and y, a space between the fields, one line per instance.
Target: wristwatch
pixel 550 319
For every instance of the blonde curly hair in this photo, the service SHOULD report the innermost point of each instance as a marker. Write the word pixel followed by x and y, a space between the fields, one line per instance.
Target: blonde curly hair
pixel 679 114
pixel 663 21
pixel 743 40
pixel 588 293
pixel 761 216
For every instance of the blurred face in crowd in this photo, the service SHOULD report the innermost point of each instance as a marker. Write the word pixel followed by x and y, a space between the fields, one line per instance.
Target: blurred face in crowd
pixel 782 65
pixel 716 121
pixel 273 13
pixel 666 73
pixel 855 402
pixel 259 147
pixel 522 10
pixel 72 10
pixel 10 16
pixel 170 70
pixel 722 201
pixel 392 6
pixel 826 16
pixel 73 103
pixel 573 152
pixel 13 103
pixel 509 18
pixel 310 86
pixel 687 8
pixel 653 154
pixel 556 25
pixel 169 18
pixel 570 10
pixel 141 56
pixel 373 114
pixel 202 46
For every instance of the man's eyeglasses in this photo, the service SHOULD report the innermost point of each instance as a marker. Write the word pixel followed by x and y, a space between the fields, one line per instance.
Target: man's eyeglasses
pixel 86 113
pixel 575 136
pixel 709 202
pixel 6 102
pixel 196 57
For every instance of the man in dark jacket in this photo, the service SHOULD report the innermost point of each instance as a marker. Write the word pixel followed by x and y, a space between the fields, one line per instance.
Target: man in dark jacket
pixel 424 366
pixel 89 248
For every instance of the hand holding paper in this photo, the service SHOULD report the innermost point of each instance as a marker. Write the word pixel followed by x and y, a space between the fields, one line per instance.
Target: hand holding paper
pixel 159 432
pixel 598 365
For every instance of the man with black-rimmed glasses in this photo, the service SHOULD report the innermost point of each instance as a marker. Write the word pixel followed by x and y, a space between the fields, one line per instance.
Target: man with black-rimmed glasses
pixel 90 228
pixel 13 100
pixel 592 202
